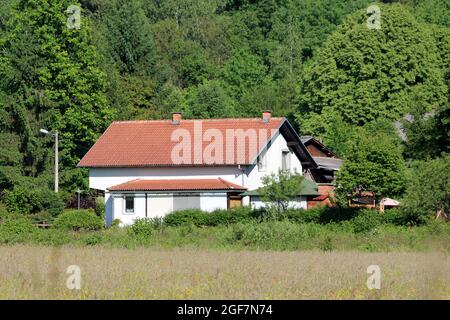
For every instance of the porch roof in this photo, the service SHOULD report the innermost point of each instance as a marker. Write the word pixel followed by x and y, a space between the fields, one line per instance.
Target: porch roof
pixel 176 185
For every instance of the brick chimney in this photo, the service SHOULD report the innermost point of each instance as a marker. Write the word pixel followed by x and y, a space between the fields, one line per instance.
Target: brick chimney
pixel 266 115
pixel 176 117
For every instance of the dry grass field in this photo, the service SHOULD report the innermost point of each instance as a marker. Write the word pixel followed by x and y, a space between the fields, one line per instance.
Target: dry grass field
pixel 40 273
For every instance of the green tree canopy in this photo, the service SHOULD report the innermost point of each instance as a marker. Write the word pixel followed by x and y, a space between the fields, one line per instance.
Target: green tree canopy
pixel 428 189
pixel 373 161
pixel 362 74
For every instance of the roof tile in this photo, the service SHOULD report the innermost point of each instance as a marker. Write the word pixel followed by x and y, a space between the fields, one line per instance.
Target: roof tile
pixel 176 185
pixel 150 143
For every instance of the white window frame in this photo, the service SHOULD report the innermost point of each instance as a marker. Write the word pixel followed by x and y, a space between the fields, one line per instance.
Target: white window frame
pixel 286 160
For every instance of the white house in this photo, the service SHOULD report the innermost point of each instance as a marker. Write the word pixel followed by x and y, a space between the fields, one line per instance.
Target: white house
pixel 150 168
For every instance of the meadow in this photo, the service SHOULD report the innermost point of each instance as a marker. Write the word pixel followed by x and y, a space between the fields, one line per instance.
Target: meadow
pixel 191 255
pixel 29 272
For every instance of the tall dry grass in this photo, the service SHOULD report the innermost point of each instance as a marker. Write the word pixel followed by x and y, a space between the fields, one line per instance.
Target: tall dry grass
pixel 39 273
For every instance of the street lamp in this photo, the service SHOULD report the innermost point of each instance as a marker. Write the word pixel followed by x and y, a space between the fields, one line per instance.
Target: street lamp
pixel 54 134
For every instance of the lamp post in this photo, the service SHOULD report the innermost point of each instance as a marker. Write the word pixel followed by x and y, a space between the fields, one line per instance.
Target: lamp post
pixel 54 134
pixel 78 198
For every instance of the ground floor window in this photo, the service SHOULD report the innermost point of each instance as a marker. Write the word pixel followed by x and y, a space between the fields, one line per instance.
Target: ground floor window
pixel 129 204
pixel 186 201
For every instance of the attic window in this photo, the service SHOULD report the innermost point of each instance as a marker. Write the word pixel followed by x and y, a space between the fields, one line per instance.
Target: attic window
pixel 286 160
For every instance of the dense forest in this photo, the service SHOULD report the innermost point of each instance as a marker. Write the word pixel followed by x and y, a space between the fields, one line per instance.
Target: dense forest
pixel 314 61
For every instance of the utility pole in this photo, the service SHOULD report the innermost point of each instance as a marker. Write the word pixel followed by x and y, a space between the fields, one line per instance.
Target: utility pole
pixel 56 162
pixel 55 135
pixel 79 196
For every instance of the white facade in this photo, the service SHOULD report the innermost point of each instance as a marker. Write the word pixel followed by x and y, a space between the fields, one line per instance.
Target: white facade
pixel 299 203
pixel 150 205
pixel 159 204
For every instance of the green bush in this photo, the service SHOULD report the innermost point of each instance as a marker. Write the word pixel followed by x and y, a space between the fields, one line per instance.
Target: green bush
pixel 93 239
pixel 22 200
pixel 27 200
pixel 51 202
pixel 143 227
pixel 184 217
pixel 100 207
pixel 16 230
pixel 216 218
pixel 41 217
pixel 302 215
pixel 395 216
pixel 77 220
pixel 366 220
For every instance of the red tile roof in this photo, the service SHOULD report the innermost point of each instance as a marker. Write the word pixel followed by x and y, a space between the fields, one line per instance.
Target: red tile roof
pixel 176 185
pixel 149 143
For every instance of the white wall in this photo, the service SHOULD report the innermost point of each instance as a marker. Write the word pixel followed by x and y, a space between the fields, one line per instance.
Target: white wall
pixel 118 208
pixel 159 205
pixel 212 201
pixel 103 178
pixel 300 203
pixel 273 163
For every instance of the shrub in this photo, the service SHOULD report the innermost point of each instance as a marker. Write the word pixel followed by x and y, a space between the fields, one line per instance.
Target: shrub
pixel 437 227
pixel 100 207
pixel 30 200
pixel 184 217
pixel 327 244
pixel 93 239
pixel 51 202
pixel 366 220
pixel 395 216
pixel 22 200
pixel 41 217
pixel 77 220
pixel 302 215
pixel 143 227
pixel 216 218
pixel 115 223
pixel 16 230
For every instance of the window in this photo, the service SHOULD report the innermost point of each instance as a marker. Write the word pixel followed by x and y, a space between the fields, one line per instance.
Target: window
pixel 286 160
pixel 186 201
pixel 129 204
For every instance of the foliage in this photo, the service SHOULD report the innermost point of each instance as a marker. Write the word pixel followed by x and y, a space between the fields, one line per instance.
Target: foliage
pixel 100 207
pixel 366 220
pixel 428 189
pixel 142 59
pixel 25 200
pixel 15 230
pixel 216 218
pixel 280 189
pixel 143 227
pixel 78 220
pixel 50 78
pixel 362 74
pixel 373 162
